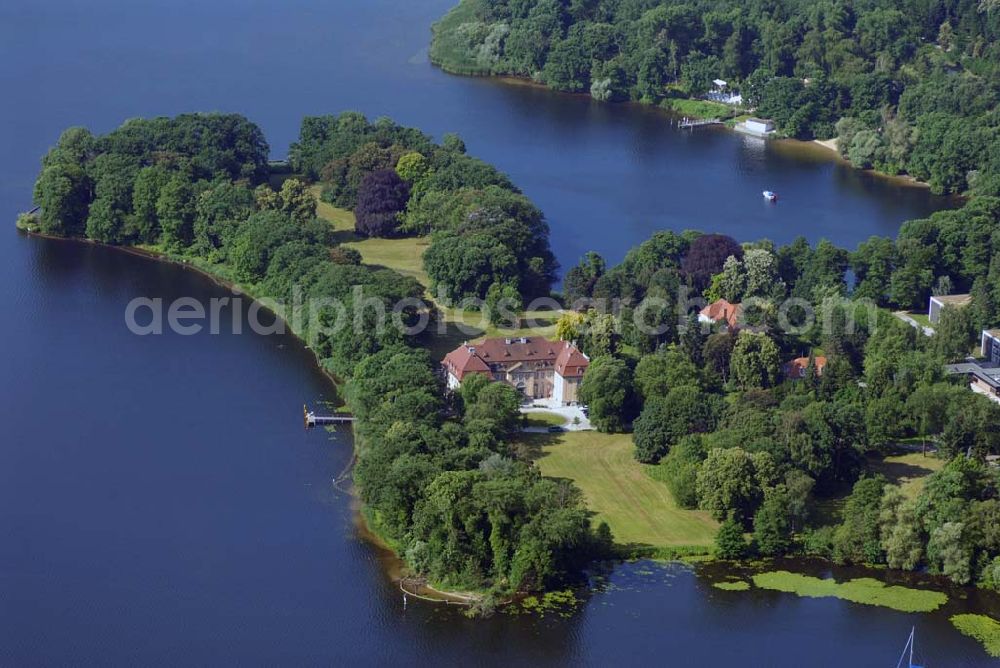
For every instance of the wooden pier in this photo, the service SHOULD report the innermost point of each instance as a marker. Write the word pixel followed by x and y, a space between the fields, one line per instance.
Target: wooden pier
pixel 313 420
pixel 691 123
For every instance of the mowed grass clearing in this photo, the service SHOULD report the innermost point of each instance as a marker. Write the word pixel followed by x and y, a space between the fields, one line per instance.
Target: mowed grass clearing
pixel 406 256
pixel 341 219
pixel 908 470
pixel 921 318
pixel 638 509
pixel 540 419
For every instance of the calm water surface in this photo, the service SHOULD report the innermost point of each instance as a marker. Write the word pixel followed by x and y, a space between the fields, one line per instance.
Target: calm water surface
pixel 160 503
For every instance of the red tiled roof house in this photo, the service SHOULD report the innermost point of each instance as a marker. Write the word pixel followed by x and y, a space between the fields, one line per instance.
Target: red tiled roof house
pixel 722 311
pixel 539 368
pixel 798 367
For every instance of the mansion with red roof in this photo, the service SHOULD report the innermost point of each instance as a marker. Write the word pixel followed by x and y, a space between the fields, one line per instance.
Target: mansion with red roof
pixel 722 311
pixel 537 367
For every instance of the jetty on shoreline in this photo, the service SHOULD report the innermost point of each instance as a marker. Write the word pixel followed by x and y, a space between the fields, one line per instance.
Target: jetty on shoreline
pixel 691 123
pixel 313 420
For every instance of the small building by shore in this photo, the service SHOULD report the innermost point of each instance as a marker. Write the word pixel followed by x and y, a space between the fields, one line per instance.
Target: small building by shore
pixel 757 127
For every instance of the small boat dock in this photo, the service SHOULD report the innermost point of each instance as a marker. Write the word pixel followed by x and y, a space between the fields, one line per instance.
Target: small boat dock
pixel 313 420
pixel 692 123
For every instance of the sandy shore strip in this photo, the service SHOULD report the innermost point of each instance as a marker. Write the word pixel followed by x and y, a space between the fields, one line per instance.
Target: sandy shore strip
pixel 828 143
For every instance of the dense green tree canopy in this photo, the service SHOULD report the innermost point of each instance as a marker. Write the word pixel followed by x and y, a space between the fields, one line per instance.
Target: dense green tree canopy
pixel 398 181
pixel 907 88
pixel 607 390
pixel 666 419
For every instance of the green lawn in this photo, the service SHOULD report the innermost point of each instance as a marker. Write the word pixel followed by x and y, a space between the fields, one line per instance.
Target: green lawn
pixel 697 108
pixel 342 219
pixel 406 257
pixel 638 509
pixel 544 419
pixel 921 318
pixel 908 470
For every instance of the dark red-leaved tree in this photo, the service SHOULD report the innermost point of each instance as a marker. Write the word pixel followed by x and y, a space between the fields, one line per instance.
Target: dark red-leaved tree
pixel 381 197
pixel 706 256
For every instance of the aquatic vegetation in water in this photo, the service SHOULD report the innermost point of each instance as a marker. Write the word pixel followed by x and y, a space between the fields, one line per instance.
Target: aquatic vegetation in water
pixel 984 629
pixel 867 591
pixel 739 585
pixel 560 602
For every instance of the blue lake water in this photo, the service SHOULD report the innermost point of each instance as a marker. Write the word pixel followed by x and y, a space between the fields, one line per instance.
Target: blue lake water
pixel 160 503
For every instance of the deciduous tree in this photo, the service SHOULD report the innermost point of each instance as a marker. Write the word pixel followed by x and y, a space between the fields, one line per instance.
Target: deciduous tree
pixel 755 361
pixel 382 197
pixel 607 391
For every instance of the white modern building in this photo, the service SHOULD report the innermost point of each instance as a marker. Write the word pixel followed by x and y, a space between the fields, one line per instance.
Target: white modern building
pixel 938 302
pixel 758 127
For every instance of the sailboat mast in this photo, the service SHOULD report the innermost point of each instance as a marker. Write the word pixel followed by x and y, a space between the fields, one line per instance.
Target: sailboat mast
pixel 908 645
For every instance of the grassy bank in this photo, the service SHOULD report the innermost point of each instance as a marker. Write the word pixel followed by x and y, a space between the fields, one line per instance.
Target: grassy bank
pixel 866 591
pixel 449 49
pixel 27 222
pixel 694 108
pixel 984 629
pixel 639 510
pixel 921 318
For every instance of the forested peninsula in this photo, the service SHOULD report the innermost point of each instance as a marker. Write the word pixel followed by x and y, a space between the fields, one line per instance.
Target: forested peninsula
pixel 907 87
pixel 802 463
pixel 436 473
